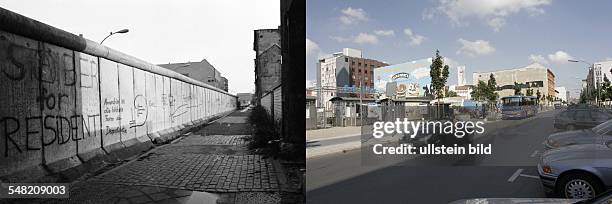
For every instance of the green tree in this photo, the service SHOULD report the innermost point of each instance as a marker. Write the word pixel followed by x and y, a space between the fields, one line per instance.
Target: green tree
pixel 451 94
pixel 529 92
pixel 491 89
pixel 538 95
pixel 439 74
pixel 517 89
pixel 479 93
pixel 606 89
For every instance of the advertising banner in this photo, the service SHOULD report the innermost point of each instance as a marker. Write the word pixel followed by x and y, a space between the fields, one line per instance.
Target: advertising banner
pixel 412 78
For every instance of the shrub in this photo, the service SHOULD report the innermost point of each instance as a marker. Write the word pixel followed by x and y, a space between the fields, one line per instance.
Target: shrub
pixel 265 134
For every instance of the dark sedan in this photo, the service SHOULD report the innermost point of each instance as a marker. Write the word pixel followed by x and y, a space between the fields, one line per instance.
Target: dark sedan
pixel 598 134
pixel 575 119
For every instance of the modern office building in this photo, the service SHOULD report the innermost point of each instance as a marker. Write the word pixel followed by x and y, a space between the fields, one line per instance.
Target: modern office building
pixel 534 76
pixel 597 72
pixel 344 69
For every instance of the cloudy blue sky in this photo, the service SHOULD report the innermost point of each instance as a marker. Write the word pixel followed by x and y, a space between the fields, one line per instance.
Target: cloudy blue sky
pixel 484 35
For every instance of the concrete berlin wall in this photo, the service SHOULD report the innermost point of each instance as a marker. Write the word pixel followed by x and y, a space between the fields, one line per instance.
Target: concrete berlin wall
pixel 68 102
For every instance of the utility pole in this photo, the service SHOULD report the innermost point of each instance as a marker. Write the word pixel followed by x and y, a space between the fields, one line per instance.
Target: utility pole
pixel 361 100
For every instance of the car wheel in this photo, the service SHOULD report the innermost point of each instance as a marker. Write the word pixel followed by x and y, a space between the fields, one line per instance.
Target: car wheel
pixel 579 186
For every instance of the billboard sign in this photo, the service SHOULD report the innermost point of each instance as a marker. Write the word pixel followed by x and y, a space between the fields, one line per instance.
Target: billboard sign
pixel 412 78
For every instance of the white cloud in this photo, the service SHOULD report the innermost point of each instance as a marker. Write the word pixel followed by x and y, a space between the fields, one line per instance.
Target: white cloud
pixel 340 39
pixel 384 32
pixel 364 38
pixel 559 57
pixel 353 16
pixel 496 23
pixel 473 48
pixel 538 58
pixel 493 12
pixel 414 38
pixel 311 48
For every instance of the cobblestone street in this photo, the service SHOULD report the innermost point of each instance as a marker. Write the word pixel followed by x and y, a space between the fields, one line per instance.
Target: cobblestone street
pixel 208 165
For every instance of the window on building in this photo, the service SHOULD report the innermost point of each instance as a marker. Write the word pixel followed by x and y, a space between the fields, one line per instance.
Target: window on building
pixel 366 71
pixel 346 59
pixel 359 64
pixel 352 62
pixel 372 66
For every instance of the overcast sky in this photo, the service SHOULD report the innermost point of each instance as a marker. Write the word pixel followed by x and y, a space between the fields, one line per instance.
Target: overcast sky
pixel 163 31
pixel 484 35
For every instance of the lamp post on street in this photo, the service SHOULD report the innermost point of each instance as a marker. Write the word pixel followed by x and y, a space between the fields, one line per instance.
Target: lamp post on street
pixel 112 33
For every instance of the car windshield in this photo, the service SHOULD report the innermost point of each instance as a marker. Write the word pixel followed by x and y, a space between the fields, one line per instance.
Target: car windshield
pixel 603 128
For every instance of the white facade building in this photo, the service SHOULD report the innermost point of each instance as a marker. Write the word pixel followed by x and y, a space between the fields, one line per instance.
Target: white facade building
pixel 461 75
pixel 329 68
pixel 563 93
pixel 601 69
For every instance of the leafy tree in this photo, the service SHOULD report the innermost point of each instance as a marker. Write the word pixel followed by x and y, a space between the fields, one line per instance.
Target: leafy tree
pixel 606 89
pixel 491 88
pixel 517 89
pixel 439 74
pixel 539 95
pixel 479 93
pixel 451 94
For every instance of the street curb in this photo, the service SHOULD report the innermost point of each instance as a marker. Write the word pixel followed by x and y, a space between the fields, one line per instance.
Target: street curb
pixel 353 147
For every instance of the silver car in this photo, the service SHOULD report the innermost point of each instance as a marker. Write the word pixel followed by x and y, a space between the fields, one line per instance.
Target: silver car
pixel 598 134
pixel 577 171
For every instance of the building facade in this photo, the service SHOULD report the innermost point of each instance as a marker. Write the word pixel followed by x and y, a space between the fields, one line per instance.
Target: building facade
pixel 268 70
pixel 563 94
pixel 597 73
pixel 266 44
pixel 344 69
pixel 202 71
pixel 534 76
pixel 244 99
pixel 464 91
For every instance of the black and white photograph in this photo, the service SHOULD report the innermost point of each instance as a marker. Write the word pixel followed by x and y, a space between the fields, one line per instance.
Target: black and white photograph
pixel 152 101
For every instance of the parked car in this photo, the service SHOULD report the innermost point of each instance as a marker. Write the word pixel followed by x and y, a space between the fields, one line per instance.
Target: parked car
pixel 598 134
pixel 434 136
pixel 576 171
pixel 575 119
pixel 604 198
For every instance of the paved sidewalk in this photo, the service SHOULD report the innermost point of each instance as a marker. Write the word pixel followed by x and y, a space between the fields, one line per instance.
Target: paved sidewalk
pixel 210 165
pixel 326 133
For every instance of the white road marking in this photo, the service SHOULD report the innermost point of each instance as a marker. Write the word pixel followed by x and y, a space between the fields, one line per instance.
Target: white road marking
pixel 529 176
pixel 534 153
pixel 515 175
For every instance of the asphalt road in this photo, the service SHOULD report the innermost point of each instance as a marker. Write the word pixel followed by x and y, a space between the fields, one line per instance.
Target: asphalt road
pixel 509 172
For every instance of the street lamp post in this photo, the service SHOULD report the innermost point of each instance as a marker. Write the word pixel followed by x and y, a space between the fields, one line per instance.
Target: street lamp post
pixel 112 33
pixel 596 81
